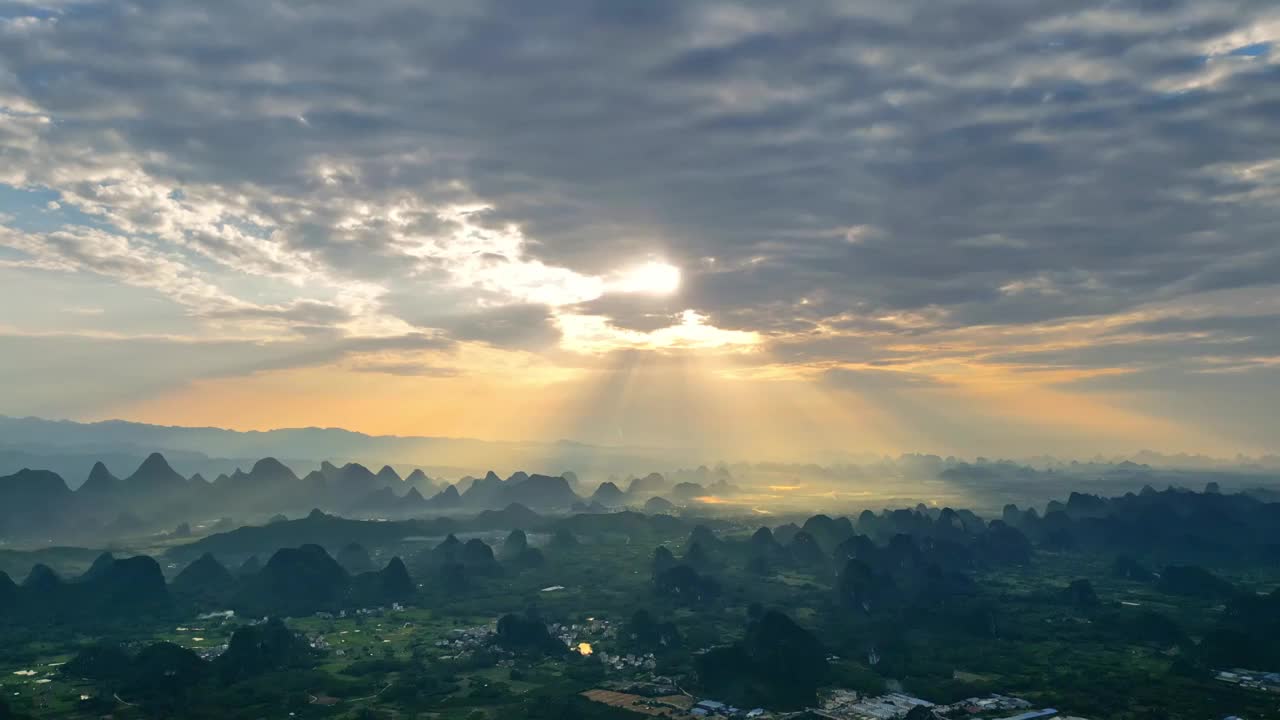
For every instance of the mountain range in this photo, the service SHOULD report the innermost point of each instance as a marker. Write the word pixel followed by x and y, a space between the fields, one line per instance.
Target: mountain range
pixel 295 581
pixel 40 506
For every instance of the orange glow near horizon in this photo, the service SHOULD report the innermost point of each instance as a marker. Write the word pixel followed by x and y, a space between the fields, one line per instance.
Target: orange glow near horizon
pixel 728 406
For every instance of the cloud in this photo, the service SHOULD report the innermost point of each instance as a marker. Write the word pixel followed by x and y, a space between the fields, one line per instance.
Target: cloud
pixel 81 374
pixel 115 256
pixel 515 326
pixel 839 183
pixel 304 312
pixel 878 380
pixel 595 334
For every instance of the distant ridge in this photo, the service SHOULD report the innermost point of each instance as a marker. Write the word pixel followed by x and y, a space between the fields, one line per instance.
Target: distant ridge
pixel 154 498
pixel 222 441
pixel 71 448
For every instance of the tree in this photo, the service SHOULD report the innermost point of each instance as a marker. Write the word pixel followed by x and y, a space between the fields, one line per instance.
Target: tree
pixel 777 664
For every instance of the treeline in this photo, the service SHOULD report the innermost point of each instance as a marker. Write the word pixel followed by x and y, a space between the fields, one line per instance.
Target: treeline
pixel 916 569
pixel 1170 525
pixel 894 557
pixel 883 563
pixel 167 680
pixel 293 582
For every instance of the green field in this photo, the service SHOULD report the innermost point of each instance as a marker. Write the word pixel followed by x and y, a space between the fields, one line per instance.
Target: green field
pixel 389 664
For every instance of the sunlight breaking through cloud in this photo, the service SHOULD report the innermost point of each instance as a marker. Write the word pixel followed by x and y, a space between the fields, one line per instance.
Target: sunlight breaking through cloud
pixel 595 334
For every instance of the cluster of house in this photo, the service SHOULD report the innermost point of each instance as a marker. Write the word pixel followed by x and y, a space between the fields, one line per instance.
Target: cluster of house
pixel 320 642
pixel 717 709
pixel 584 638
pixel 574 634
pixel 1252 679
pixel 666 700
pixel 205 652
pixel 627 662
pixel 462 641
pixel 211 652
pixel 849 705
pixel 983 705
pixel 362 612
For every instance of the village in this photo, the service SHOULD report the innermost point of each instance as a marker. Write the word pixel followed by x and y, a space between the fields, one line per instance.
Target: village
pixel 661 697
pixel 640 690
pixel 1250 679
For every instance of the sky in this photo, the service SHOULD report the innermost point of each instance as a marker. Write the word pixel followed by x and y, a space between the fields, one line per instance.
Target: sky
pixel 777 231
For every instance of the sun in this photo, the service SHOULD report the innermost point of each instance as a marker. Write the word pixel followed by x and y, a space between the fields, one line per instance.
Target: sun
pixel 651 278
